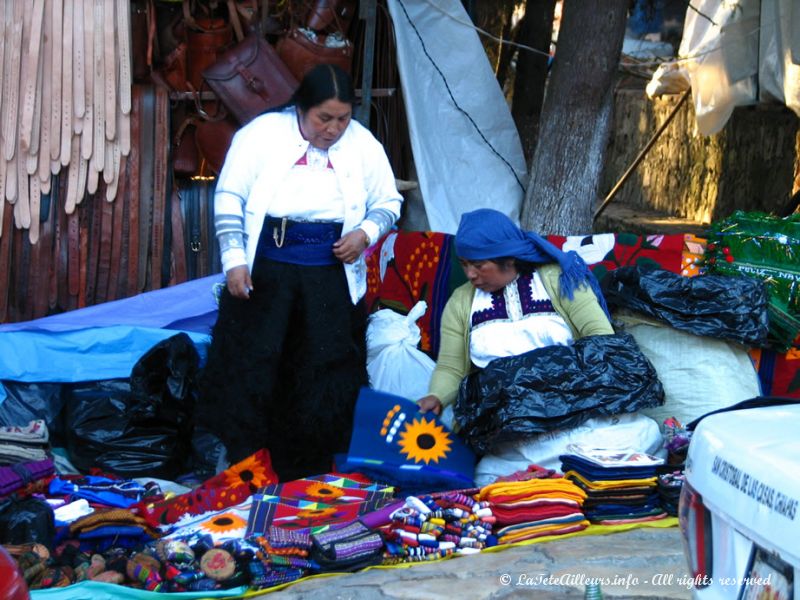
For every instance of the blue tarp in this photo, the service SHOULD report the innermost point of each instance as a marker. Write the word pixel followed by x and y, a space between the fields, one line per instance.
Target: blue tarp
pixel 105 341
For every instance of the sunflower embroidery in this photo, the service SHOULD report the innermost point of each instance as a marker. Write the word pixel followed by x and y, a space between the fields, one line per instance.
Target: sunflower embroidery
pixel 249 472
pixel 224 523
pixel 320 491
pixel 423 440
pixel 315 513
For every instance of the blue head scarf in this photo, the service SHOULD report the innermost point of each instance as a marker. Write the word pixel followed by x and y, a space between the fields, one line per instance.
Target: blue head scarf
pixel 485 234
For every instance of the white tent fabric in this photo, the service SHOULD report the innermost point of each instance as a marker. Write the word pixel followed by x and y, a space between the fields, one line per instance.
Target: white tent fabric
pixel 457 169
pixel 735 54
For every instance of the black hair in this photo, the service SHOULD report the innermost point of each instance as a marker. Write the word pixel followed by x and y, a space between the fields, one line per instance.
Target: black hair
pixel 523 267
pixel 324 82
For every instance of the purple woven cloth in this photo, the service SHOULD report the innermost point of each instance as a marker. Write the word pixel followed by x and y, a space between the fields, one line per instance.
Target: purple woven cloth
pixel 14 477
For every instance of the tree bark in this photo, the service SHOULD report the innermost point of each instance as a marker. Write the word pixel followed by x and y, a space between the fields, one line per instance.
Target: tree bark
pixel 576 118
pixel 535 30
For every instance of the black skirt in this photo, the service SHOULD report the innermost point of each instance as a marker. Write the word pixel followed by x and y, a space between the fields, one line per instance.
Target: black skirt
pixel 285 367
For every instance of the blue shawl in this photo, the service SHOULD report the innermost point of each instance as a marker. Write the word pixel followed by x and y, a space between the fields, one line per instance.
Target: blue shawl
pixel 485 234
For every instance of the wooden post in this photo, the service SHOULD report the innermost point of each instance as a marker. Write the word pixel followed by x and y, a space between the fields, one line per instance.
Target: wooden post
pixel 368 12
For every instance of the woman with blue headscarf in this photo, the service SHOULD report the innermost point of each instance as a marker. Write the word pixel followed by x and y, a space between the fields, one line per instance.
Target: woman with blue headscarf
pixel 523 293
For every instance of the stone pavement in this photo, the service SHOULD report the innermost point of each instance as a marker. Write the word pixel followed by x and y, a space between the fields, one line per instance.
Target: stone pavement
pixel 640 563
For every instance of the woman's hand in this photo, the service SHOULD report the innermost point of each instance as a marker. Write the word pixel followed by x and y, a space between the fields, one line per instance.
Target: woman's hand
pixel 430 403
pixel 350 246
pixel 239 283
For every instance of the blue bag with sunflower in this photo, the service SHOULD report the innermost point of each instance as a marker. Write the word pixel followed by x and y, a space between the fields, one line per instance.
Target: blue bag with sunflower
pixel 394 443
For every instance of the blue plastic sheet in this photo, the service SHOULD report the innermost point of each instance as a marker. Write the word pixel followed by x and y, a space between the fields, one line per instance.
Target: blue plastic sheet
pixel 95 590
pixel 105 341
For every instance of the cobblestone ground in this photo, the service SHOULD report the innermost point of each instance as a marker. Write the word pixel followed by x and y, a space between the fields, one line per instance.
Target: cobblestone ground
pixel 642 563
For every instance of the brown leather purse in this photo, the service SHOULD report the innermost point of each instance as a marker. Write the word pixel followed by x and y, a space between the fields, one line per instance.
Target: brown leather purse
pixel 331 15
pixel 250 78
pixel 301 53
pixel 206 39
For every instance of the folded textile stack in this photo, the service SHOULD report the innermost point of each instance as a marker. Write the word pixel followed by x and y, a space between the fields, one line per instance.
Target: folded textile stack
pixel 620 485
pixel 15 477
pixel 20 444
pixel 346 548
pixel 534 508
pixel 431 527
pixel 114 527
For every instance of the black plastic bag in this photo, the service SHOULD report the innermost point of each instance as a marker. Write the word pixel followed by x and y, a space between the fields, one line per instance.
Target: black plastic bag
pixel 553 388
pixel 27 520
pixel 26 402
pixel 141 426
pixel 718 306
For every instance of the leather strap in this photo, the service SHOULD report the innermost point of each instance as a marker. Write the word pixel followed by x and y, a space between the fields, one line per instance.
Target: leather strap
pixel 110 75
pixel 178 240
pixel 160 156
pixel 22 207
pixel 78 60
pixel 22 260
pixel 6 235
pixel 125 58
pixel 83 252
pixel 11 181
pixel 83 122
pixel 94 216
pixel 35 275
pixel 73 253
pixel 98 91
pixel 62 236
pixel 67 83
pixel 72 175
pixel 52 233
pixel 104 258
pixel 41 300
pixel 124 250
pixel 146 188
pixel 45 101
pixel 118 207
pixel 31 72
pixel 193 218
pixel 202 256
pixel 11 100
pixel 35 205
pixel 133 194
pixel 57 24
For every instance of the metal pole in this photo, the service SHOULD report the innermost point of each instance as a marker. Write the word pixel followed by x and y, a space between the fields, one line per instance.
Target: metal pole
pixel 640 156
pixel 367 11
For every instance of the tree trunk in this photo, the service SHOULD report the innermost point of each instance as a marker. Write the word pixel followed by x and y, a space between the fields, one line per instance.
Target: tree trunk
pixel 576 118
pixel 535 30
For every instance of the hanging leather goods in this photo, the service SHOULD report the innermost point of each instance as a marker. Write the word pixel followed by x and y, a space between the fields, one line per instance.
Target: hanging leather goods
pixel 250 78
pixel 331 15
pixel 205 40
pixel 213 140
pixel 302 49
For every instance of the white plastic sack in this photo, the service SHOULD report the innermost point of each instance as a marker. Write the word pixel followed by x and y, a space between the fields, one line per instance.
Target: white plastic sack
pixel 779 56
pixel 629 431
pixel 699 374
pixel 394 364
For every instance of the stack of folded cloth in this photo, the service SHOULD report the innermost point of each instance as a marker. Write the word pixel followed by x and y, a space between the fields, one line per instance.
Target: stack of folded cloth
pixel 15 477
pixel 534 508
pixel 346 548
pixel 620 486
pixel 669 490
pixel 24 444
pixel 431 527
pixel 283 557
pixel 104 529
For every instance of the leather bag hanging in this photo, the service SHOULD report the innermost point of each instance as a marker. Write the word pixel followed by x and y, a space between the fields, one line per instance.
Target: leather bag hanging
pixel 205 40
pixel 250 78
pixel 301 53
pixel 331 15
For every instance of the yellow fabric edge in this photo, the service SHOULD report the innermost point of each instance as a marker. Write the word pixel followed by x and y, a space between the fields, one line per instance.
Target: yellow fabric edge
pixel 591 530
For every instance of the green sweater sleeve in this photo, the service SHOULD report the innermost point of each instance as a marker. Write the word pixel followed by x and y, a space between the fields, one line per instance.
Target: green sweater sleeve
pixel 583 313
pixel 453 363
